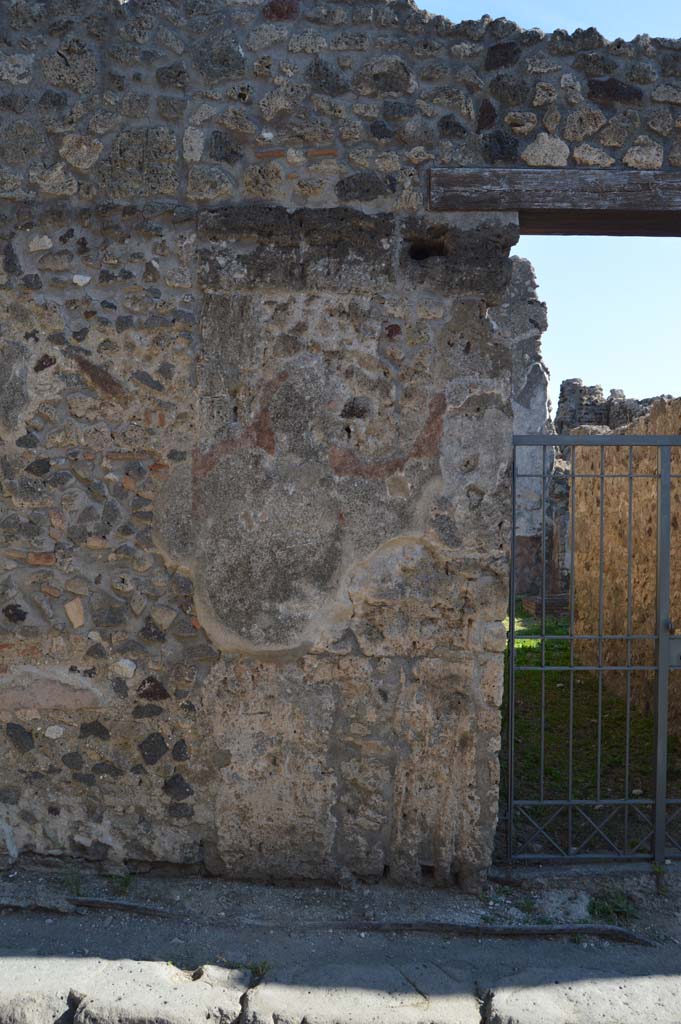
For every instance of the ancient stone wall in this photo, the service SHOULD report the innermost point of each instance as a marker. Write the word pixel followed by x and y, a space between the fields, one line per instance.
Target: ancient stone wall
pixel 523 321
pixel 581 405
pixel 664 418
pixel 256 417
pixel 255 549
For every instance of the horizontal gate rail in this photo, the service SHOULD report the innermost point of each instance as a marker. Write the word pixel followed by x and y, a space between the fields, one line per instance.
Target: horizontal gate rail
pixel 565 774
pixel 596 440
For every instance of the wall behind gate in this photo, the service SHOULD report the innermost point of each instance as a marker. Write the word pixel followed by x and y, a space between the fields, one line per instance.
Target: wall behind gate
pixel 256 412
pixel 629 521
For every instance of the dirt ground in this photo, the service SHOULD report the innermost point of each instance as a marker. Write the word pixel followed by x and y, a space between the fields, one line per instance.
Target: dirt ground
pixel 92 948
pixel 642 902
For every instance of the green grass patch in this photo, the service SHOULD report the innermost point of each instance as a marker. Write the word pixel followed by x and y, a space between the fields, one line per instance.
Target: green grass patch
pixel 588 699
pixel 613 906
pixel 586 716
pixel 258 969
pixel 120 884
pixel 72 879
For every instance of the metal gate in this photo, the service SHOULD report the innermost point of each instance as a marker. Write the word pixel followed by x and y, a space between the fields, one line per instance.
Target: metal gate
pixel 593 695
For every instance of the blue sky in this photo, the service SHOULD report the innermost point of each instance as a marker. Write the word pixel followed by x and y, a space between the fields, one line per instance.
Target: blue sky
pixel 614 18
pixel 611 300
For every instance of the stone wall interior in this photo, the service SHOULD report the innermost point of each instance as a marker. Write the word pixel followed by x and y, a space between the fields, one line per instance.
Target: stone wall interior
pixel 256 407
pixel 580 408
pixel 581 405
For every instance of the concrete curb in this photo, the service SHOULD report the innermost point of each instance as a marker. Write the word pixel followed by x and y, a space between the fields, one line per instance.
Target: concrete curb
pixel 94 991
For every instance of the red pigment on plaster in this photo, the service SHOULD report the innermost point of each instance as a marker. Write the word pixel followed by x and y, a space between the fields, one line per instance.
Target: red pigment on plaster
pixel 347 463
pixel 259 434
pixel 427 445
pixel 428 442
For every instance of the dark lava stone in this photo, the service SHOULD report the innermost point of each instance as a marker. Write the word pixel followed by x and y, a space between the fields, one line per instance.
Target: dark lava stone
pixel 153 747
pixel 500 146
pixel 595 63
pixel 177 787
pixel 174 76
pixel 94 729
pixel 72 760
pixel 20 738
pixel 39 467
pixel 280 10
pixel 44 363
pixel 28 440
pixel 356 409
pixel 502 55
pixel 96 651
pixel 52 98
pixel 152 688
pixel 180 751
pixel 451 128
pixel 107 768
pixel 487 116
pixel 14 613
pixel 119 687
pixel 381 130
pixel 671 65
pixel 10 262
pixel 222 147
pixel 393 110
pixel 150 631
pixel 62 478
pixel 326 78
pixel 510 89
pixel 96 851
pixel 180 811
pixel 87 778
pixel 365 185
pixel 612 90
pixel 147 711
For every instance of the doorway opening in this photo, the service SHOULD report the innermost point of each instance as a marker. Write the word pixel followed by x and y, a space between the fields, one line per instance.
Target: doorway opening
pixel 593 685
pixel 591 760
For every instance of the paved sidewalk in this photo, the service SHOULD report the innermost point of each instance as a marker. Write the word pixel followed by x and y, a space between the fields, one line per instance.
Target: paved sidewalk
pixel 460 985
pixel 198 951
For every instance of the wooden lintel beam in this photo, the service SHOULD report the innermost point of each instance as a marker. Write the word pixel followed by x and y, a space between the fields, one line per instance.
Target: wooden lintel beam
pixel 566 201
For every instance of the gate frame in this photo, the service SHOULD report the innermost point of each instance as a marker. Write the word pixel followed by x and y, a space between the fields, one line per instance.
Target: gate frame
pixel 584 201
pixel 665 629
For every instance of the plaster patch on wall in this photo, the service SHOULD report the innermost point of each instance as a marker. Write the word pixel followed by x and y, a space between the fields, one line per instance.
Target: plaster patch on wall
pixel 30 687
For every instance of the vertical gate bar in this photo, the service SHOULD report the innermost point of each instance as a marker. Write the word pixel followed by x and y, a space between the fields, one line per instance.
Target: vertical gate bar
pixel 601 624
pixel 543 625
pixel 510 695
pixel 571 723
pixel 630 630
pixel 663 630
